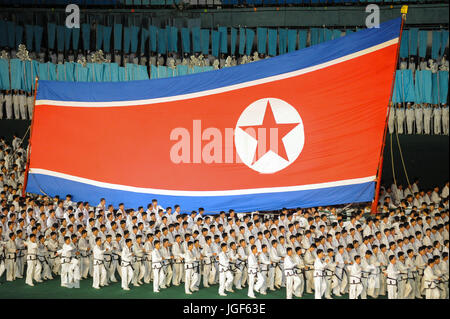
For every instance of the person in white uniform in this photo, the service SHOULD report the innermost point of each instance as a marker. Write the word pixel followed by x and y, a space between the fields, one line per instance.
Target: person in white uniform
pixel 400 116
pixel 292 280
pixel 437 115
pixel 100 275
pixel 418 114
pixel 410 116
pixel 32 270
pixel 225 275
pixel 320 284
pixel 126 264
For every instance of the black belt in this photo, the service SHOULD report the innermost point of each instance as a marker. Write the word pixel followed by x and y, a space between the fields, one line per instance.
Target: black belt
pixel 98 262
pixel 31 255
pixel 252 271
pixel 128 264
pixel 224 270
pixel 9 257
pixel 355 283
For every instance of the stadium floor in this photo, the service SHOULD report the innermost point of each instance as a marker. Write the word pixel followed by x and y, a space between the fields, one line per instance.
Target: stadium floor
pixel 51 289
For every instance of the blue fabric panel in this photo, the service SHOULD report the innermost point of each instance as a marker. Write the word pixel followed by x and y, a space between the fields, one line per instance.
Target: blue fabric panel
pixel 67 36
pixel 434 89
pixel 107 30
pixel 60 72
pixel 70 71
pixel 153 31
pixel 122 74
pixel 153 72
pixel 186 40
pixel 17 74
pixel 337 34
pixel 75 38
pixel 196 44
pixel 249 37
pixel 82 73
pixel 142 72
pixel 272 42
pixel 134 39
pixel 182 69
pixel 19 35
pixel 302 35
pixel 215 36
pixel 144 36
pixel 233 41
pixel 443 86
pixel 404 47
pixel 223 39
pixel 262 40
pixel 86 35
pixel 241 41
pixel 43 72
pixel 423 35
pixel 126 39
pixel 436 44
pixel 174 39
pixel 444 41
pixel 282 40
pixel 51 35
pixel 204 37
pixel 29 35
pixel 292 40
pixel 162 41
pixel 118 36
pixel 413 41
pixel 4 75
pixel 328 35
pixel 60 34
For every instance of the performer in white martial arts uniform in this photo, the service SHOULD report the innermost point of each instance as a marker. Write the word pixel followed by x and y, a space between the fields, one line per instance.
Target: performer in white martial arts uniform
pixel 225 276
pixel 100 277
pixel 157 265
pixel 126 264
pixel 33 271
pixel 292 280
pixel 400 116
pixel 431 281
pixel 410 116
pixel 356 285
pixel 427 112
pixel 418 114
pixel 190 275
pixel 254 273
pixel 392 278
pixel 319 275
pixel 437 115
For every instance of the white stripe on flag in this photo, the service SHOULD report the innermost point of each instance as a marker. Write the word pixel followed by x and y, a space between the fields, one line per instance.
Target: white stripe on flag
pixel 347 182
pixel 221 89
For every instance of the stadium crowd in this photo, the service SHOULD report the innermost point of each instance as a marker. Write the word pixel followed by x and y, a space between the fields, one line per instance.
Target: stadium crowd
pixel 401 252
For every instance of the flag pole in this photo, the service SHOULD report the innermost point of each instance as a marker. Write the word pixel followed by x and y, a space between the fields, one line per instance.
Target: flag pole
pixel 27 168
pixel 404 11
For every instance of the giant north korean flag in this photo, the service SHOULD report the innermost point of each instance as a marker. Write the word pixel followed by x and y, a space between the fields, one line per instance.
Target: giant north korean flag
pixel 298 130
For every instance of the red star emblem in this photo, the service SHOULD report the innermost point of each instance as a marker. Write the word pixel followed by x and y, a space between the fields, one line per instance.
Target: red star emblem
pixel 281 130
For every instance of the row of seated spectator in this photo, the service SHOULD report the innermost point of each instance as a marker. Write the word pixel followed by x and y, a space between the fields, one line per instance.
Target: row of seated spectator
pixel 138 3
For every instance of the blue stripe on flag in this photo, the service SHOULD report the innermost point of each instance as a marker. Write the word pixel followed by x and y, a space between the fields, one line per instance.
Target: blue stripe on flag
pixel 242 203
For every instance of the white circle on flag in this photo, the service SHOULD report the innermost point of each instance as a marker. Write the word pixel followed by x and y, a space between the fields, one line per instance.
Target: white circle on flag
pixel 268 161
